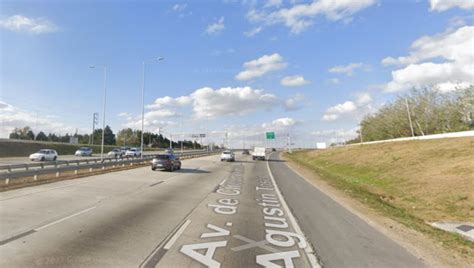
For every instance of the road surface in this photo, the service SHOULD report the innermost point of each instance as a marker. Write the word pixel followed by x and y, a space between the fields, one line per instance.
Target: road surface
pixel 209 213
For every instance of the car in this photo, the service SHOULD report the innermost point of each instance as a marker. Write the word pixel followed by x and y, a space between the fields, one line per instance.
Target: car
pixel 274 150
pixel 168 162
pixel 227 156
pixel 134 152
pixel 44 155
pixel 245 152
pixel 124 150
pixel 84 151
pixel 115 153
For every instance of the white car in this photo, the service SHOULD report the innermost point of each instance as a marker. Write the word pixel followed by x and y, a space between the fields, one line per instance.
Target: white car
pixel 84 151
pixel 227 156
pixel 133 152
pixel 44 155
pixel 115 153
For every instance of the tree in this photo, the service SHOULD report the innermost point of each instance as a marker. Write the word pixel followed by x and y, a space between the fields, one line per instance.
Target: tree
pixel 41 136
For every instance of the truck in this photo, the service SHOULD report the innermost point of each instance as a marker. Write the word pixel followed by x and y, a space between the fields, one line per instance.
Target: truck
pixel 258 153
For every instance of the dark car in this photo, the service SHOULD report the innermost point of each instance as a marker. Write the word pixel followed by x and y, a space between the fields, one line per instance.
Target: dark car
pixel 274 150
pixel 246 152
pixel 168 162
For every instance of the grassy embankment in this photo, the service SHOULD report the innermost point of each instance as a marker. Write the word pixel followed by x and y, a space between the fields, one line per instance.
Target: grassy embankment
pixel 15 148
pixel 413 182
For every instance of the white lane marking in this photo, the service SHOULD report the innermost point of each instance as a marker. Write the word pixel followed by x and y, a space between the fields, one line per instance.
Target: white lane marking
pixel 177 235
pixel 222 182
pixel 252 244
pixel 63 219
pixel 308 250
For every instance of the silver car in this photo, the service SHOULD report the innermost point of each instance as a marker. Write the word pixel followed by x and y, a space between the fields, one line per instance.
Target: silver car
pixel 84 151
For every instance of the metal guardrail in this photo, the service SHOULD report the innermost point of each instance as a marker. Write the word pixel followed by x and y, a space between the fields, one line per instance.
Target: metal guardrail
pixel 14 171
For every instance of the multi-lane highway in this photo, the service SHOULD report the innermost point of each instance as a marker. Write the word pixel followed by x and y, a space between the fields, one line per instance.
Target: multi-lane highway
pixel 211 213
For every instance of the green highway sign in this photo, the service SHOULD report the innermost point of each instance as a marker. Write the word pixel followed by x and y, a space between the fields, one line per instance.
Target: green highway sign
pixel 270 135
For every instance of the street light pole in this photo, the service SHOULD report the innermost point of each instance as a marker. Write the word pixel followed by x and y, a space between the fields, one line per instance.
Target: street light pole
pixel 143 101
pixel 103 111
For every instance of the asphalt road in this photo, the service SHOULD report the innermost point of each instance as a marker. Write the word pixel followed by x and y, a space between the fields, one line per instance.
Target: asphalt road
pixel 210 212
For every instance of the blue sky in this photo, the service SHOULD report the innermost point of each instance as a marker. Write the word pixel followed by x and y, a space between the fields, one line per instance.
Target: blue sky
pixel 331 52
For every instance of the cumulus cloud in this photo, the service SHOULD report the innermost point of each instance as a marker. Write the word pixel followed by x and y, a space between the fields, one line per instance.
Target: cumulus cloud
pixel 216 27
pixel 294 102
pixel 253 31
pixel 347 69
pixel 454 66
pixel 261 66
pixel 12 117
pixel 179 7
pixel 357 107
pixel 443 5
pixel 280 123
pixel 168 101
pixel 23 24
pixel 294 81
pixel 301 16
pixel 230 101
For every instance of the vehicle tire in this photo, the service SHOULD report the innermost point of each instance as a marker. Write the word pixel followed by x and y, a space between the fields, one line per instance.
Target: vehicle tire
pixel 54 158
pixel 153 168
pixel 42 158
pixel 179 167
pixel 171 168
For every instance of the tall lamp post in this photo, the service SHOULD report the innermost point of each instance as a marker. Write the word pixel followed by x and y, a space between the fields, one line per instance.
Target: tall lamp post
pixel 143 99
pixel 103 112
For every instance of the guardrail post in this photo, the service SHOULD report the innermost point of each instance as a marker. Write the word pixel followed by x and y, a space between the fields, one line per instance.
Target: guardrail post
pixel 57 174
pixel 7 180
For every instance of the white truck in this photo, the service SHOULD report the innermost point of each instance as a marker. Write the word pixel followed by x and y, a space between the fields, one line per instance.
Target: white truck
pixel 258 153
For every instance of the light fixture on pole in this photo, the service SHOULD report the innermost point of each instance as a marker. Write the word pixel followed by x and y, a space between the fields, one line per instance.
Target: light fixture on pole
pixel 105 102
pixel 143 100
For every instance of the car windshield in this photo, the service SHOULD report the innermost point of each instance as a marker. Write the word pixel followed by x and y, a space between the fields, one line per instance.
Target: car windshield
pixel 162 156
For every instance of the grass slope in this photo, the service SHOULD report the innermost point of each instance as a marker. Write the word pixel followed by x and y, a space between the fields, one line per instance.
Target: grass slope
pixel 412 182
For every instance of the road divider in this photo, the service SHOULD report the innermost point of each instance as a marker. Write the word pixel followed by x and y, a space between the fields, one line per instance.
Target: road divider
pixel 57 168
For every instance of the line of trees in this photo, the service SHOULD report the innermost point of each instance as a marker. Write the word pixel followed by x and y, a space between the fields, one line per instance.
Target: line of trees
pixel 125 137
pixel 431 112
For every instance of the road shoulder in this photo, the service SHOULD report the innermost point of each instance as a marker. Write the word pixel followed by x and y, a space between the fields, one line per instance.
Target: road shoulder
pixel 424 248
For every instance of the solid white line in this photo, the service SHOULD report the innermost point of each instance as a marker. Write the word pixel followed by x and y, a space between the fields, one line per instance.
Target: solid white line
pixel 177 235
pixel 308 250
pixel 63 219
pixel 222 182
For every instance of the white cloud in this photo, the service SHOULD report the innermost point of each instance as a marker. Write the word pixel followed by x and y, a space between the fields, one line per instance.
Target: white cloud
pixel 20 23
pixel 12 117
pixel 443 5
pixel 253 31
pixel 346 69
pixel 294 102
pixel 230 101
pixel 216 27
pixel 453 51
pixel 357 107
pixel 280 123
pixel 168 101
pixel 363 98
pixel 294 81
pixel 300 16
pixel 179 7
pixel 261 66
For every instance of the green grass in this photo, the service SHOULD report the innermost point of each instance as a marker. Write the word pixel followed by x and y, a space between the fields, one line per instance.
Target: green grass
pixel 375 187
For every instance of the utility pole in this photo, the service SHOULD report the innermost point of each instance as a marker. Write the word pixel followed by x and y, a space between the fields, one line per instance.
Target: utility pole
pixel 409 118
pixel 289 143
pixel 95 121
